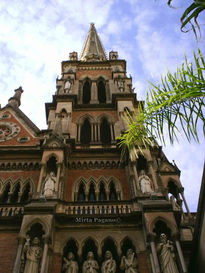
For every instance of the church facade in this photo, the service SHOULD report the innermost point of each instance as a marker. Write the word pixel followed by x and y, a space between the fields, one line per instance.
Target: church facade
pixel 68 203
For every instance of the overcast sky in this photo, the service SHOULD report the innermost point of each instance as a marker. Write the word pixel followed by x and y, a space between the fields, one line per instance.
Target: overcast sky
pixel 35 36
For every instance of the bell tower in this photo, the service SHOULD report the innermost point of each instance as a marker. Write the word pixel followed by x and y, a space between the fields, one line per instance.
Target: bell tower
pixel 84 205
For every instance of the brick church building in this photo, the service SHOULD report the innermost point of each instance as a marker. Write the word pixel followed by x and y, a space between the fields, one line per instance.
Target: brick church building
pixel 68 203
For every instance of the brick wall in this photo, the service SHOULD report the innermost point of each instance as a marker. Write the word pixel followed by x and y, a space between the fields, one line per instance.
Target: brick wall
pixel 73 175
pixel 57 263
pixel 143 263
pixel 8 249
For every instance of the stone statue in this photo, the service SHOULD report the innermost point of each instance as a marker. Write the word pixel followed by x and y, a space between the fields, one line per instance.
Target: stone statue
pixel 145 183
pixel 166 254
pixel 49 186
pixel 32 253
pixel 90 265
pixel 129 263
pixel 67 86
pixel 109 265
pixel 70 266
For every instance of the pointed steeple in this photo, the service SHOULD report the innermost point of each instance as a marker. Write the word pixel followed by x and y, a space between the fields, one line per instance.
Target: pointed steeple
pixel 93 49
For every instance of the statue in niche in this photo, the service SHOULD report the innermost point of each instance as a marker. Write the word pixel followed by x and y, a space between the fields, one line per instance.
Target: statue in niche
pixel 120 84
pixel 70 266
pixel 31 256
pixel 129 263
pixel 167 256
pixel 67 86
pixel 49 186
pixel 109 265
pixel 90 265
pixel 145 183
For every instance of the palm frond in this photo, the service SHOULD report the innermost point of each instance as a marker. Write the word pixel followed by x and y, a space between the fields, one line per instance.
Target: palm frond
pixel 174 106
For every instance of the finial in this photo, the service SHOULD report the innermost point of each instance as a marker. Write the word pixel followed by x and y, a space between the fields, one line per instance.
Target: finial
pixel 16 99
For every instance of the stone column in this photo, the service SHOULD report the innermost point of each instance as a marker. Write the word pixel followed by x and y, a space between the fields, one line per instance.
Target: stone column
pixel 181 257
pixel 45 255
pixel 92 132
pixel 58 177
pixel 150 163
pixel 111 133
pixel 79 130
pixel 43 167
pixel 98 128
pixel 94 98
pixel 181 190
pixel 136 175
pixel 17 264
pixel 154 253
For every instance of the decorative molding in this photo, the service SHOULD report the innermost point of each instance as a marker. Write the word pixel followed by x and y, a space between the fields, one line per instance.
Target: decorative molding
pixel 95 164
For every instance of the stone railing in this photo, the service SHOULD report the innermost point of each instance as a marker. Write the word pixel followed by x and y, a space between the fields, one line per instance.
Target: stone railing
pixel 95 209
pixel 11 211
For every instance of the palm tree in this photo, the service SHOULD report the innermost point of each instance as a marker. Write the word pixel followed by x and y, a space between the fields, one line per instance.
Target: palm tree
pixel 177 104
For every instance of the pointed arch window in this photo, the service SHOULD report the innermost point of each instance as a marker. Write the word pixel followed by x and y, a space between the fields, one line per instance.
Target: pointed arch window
pixel 81 193
pixel 113 193
pixel 101 92
pixel 86 92
pixel 91 195
pixel 25 195
pixel 85 135
pixel 105 135
pixel 102 196
pixel 5 196
pixel 14 196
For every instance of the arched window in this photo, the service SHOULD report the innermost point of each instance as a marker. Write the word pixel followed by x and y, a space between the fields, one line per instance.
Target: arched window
pixel 141 164
pixel 81 193
pixel 51 165
pixel 25 195
pixel 89 246
pixel 101 92
pixel 127 244
pixel 5 195
pixel 86 92
pixel 161 227
pixel 14 196
pixel 102 196
pixel 113 194
pixel 85 134
pixel 91 195
pixel 105 135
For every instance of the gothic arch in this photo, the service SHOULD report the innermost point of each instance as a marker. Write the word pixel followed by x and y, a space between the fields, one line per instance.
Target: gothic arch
pixel 127 243
pixel 172 226
pixel 81 119
pixel 108 238
pixel 101 89
pixel 27 226
pixel 109 118
pixel 52 154
pixel 31 183
pixel 86 90
pixel 5 184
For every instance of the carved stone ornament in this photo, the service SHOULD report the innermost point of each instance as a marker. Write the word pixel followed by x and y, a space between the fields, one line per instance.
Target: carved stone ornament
pixel 109 265
pixel 167 257
pixel 129 262
pixel 90 265
pixel 31 256
pixel 145 183
pixel 70 266
pixel 8 130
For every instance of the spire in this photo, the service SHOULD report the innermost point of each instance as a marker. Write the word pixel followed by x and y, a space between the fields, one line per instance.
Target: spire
pixel 16 99
pixel 93 49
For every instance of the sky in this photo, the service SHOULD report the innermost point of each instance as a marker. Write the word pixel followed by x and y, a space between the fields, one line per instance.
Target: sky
pixel 35 36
